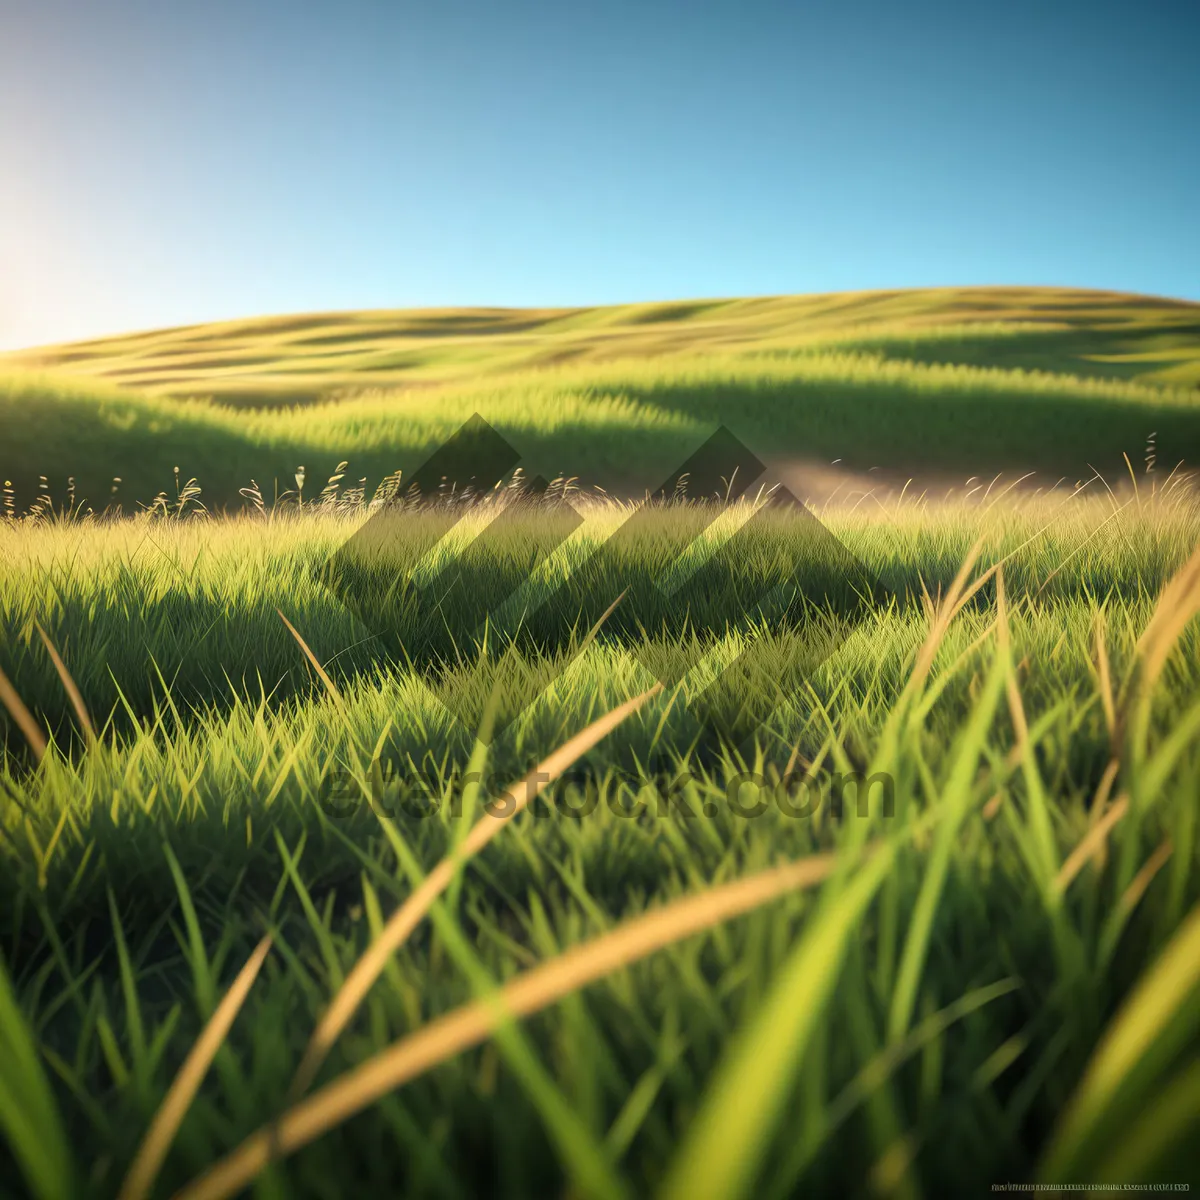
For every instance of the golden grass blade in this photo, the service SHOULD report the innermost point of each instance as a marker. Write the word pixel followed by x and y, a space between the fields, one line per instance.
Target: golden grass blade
pixel 1100 805
pixel 1143 879
pixel 1016 706
pixel 406 918
pixel 1177 605
pixel 330 686
pixel 22 717
pixel 1104 789
pixel 1136 494
pixel 940 613
pixel 595 629
pixel 472 1023
pixel 178 1099
pixel 956 596
pixel 1104 674
pixel 73 693
pixel 1091 844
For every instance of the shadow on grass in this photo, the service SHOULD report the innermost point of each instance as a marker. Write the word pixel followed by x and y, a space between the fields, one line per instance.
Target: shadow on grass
pixel 894 423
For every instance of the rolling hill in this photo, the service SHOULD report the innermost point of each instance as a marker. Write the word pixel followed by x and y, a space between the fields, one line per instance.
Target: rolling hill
pixel 954 381
pixel 302 358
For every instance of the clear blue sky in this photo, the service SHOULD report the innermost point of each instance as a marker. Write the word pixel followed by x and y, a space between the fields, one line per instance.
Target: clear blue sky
pixel 167 161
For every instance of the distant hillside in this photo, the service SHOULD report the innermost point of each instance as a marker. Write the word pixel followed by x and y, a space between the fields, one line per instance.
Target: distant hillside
pixel 306 358
pixel 933 385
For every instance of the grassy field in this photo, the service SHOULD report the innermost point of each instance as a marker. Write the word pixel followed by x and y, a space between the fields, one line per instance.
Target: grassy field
pixel 986 973
pixel 967 381
pixel 582 848
pixel 306 358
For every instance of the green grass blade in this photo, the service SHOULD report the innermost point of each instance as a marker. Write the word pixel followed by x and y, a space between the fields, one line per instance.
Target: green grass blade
pixel 957 793
pixel 29 1115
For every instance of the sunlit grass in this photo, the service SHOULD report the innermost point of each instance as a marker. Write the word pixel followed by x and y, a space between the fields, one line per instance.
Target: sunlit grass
pixel 991 983
pixel 299 358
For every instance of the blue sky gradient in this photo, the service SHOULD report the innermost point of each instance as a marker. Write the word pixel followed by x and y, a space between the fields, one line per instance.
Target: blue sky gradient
pixel 163 163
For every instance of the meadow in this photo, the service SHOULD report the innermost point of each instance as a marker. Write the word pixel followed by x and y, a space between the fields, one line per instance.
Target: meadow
pixel 966 382
pixel 1040 857
pixel 315 883
pixel 309 357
